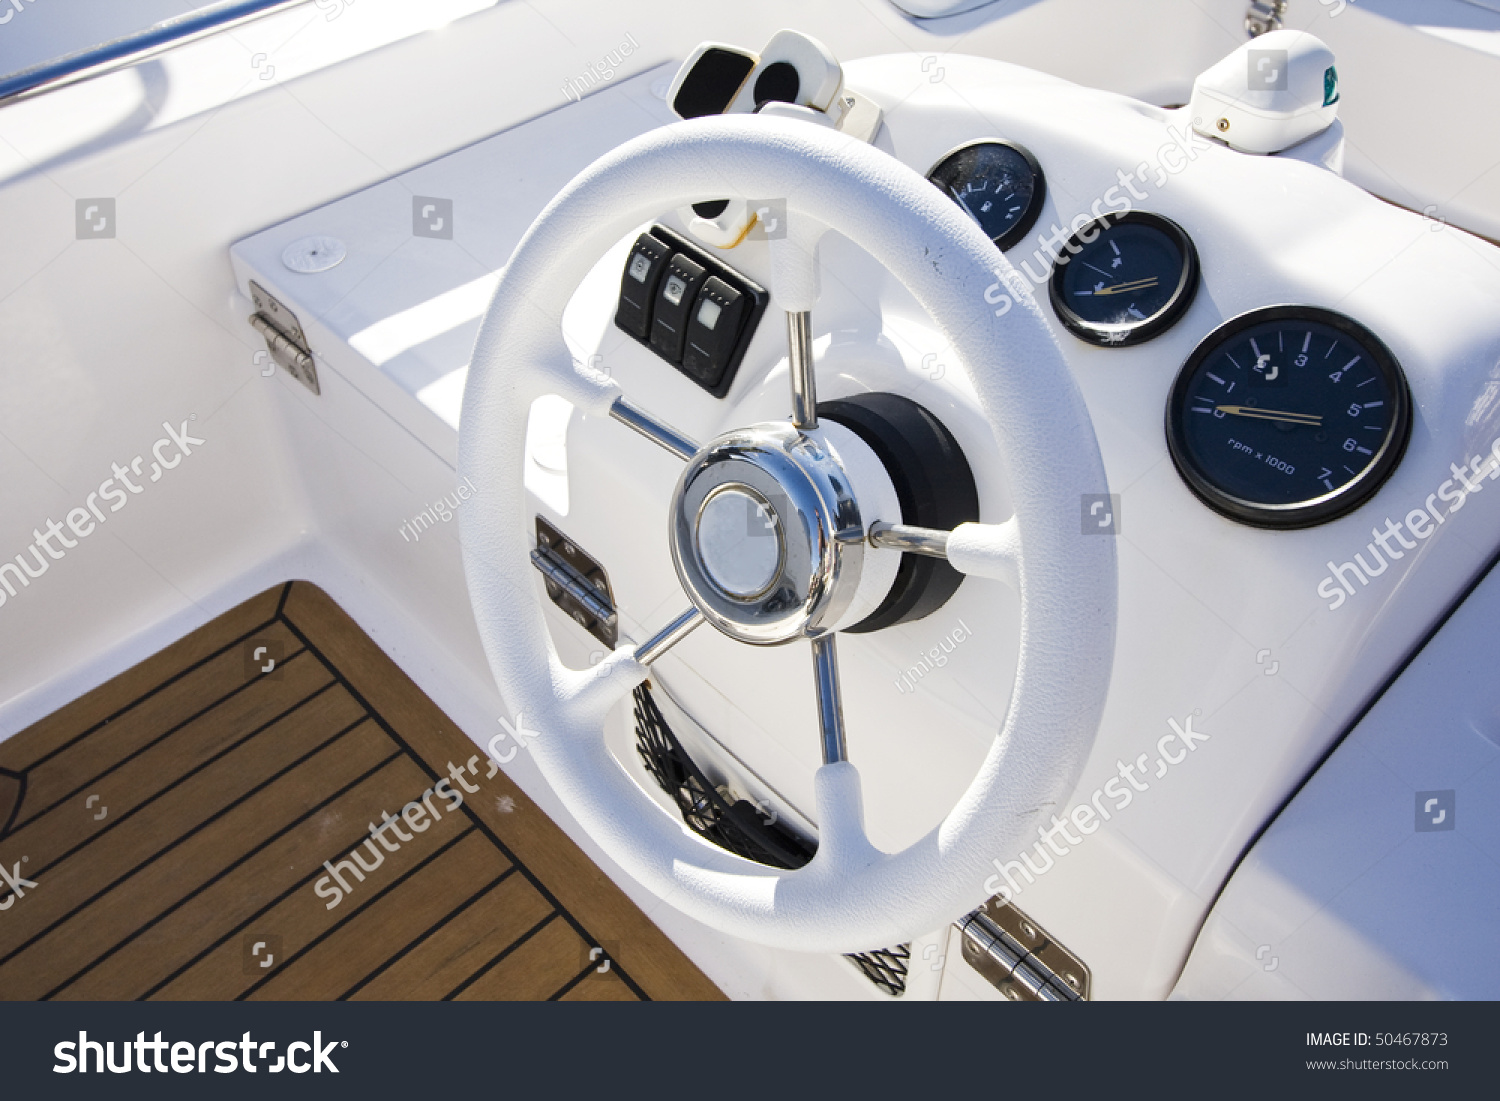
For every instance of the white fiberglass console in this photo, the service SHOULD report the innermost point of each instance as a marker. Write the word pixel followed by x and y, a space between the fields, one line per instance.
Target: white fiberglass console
pixel 1292 385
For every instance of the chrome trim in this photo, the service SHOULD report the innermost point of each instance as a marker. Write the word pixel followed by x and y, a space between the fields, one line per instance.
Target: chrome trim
pixel 1020 958
pixel 131 49
pixel 830 699
pixel 632 416
pixel 556 569
pixel 914 540
pixel 773 523
pixel 823 544
pixel 668 637
pixel 1265 16
pixel 799 352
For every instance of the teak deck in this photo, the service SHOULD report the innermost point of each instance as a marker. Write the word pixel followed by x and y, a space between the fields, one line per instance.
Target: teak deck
pixel 176 822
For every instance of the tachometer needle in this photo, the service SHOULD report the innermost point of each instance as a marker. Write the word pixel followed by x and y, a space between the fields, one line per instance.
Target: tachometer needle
pixel 1125 288
pixel 1271 414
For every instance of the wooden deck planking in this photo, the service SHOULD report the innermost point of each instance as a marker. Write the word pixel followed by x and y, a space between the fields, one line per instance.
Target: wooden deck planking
pixel 223 791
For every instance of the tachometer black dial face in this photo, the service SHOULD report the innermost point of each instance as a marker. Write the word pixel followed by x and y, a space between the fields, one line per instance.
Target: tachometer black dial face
pixel 999 183
pixel 1132 275
pixel 1288 416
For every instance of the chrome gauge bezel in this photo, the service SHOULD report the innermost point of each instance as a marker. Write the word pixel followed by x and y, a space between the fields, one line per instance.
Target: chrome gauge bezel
pixel 1313 510
pixel 1133 332
pixel 1022 226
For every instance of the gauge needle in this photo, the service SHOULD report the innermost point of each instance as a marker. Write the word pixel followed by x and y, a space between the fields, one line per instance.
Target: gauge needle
pixel 1271 414
pixel 1125 288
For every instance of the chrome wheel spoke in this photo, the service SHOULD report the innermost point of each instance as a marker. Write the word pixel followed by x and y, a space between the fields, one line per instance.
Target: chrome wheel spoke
pixel 905 537
pixel 662 435
pixel 668 637
pixel 800 361
pixel 830 699
pixel 978 550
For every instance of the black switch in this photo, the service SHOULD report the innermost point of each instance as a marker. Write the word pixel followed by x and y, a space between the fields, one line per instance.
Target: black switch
pixel 674 302
pixel 712 332
pixel 638 286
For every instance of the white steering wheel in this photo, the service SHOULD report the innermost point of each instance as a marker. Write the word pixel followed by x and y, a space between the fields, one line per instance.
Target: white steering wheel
pixel 851 896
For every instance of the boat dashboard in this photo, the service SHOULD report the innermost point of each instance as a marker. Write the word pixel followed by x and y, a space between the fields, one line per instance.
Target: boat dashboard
pixel 1292 384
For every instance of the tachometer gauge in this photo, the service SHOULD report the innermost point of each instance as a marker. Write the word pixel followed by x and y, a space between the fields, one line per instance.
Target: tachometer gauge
pixel 1132 275
pixel 1288 416
pixel 999 183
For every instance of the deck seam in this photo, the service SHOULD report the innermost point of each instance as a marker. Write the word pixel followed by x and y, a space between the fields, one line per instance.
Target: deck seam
pixel 479 823
pixel 219 876
pixel 147 746
pixel 352 914
pixel 144 696
pixel 426 934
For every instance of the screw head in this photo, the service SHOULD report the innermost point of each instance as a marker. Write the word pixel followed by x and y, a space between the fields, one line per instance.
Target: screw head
pixel 1222 124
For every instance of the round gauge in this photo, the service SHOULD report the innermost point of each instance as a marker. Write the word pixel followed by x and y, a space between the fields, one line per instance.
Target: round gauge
pixel 1127 277
pixel 1288 416
pixel 999 183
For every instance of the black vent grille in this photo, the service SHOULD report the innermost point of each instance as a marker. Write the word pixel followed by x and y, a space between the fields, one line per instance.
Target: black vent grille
pixel 887 968
pixel 740 827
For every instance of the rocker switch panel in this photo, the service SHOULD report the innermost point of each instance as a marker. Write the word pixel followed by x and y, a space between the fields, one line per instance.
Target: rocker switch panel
pixel 713 331
pixel 689 307
pixel 639 284
pixel 674 305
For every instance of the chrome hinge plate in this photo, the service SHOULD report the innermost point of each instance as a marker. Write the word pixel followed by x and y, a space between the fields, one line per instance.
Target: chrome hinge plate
pixel 1020 958
pixel 284 337
pixel 1264 16
pixel 576 583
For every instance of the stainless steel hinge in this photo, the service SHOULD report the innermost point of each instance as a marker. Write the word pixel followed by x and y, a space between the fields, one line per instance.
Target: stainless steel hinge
pixel 1020 958
pixel 1264 17
pixel 285 339
pixel 576 583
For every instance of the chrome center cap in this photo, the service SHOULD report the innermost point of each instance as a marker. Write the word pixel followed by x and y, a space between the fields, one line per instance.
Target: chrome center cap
pixel 766 535
pixel 739 541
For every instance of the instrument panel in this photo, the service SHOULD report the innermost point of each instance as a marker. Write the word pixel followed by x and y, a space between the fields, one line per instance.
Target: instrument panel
pixel 1285 417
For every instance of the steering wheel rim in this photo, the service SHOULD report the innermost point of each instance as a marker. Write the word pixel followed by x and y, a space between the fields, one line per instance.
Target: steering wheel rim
pixel 851 896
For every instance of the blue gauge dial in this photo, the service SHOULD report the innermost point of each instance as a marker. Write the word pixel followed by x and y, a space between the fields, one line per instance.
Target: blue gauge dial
pixel 1000 184
pixel 1124 278
pixel 1288 416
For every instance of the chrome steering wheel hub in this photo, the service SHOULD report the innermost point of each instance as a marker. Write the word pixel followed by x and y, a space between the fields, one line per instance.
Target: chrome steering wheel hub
pixel 768 531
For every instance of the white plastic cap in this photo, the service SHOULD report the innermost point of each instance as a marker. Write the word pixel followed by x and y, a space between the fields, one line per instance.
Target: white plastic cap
pixel 1271 93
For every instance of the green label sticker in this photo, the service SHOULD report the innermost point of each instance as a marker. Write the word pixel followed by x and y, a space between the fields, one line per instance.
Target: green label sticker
pixel 1330 86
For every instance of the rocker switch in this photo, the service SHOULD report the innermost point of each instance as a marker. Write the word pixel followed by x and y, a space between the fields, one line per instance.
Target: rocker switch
pixel 674 304
pixel 712 332
pixel 639 284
